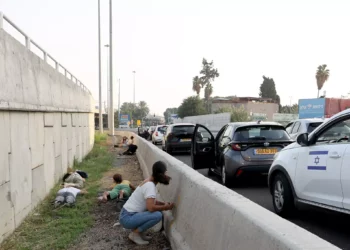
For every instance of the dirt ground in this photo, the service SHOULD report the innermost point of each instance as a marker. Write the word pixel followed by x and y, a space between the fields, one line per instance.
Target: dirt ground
pixel 103 235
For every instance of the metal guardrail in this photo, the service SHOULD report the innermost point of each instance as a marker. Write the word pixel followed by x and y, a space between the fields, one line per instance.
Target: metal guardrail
pixel 29 42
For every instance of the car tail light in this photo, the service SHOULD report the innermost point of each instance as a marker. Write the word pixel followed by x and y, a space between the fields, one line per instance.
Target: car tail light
pixel 236 147
pixel 156 133
pixel 239 172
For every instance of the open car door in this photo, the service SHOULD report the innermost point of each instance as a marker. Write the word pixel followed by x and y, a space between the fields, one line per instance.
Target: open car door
pixel 202 148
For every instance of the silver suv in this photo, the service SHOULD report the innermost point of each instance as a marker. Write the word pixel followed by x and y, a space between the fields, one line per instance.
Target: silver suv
pixel 301 126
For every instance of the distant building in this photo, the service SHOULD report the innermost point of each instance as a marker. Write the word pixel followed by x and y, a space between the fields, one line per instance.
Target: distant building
pixel 256 107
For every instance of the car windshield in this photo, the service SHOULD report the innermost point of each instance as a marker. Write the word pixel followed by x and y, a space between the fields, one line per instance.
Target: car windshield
pixel 162 129
pixel 188 129
pixel 341 130
pixel 263 132
pixel 311 126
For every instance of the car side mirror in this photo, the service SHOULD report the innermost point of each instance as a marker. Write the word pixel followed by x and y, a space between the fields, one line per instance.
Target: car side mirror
pixel 303 139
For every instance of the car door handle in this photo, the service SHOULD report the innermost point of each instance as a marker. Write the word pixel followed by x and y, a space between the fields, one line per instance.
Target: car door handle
pixel 335 155
pixel 206 149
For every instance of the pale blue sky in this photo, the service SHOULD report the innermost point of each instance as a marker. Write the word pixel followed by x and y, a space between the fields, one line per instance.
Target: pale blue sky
pixel 165 41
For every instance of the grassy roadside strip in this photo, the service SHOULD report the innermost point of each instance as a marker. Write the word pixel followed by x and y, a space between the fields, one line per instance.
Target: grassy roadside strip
pixel 47 228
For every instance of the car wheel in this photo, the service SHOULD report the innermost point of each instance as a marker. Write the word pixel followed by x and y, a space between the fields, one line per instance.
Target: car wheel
pixel 225 179
pixel 211 172
pixel 282 197
pixel 168 150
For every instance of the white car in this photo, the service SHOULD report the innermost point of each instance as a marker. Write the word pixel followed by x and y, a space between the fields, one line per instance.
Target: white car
pixel 159 131
pixel 315 170
pixel 301 126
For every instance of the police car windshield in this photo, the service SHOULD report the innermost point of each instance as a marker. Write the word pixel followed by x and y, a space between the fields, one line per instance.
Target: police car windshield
pixel 339 131
pixel 263 132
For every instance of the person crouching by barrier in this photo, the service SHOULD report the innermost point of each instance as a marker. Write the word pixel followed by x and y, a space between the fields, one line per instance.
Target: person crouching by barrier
pixel 142 210
pixel 121 192
pixel 131 147
pixel 67 196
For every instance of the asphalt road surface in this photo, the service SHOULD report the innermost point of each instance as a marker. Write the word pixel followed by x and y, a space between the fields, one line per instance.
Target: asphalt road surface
pixel 330 226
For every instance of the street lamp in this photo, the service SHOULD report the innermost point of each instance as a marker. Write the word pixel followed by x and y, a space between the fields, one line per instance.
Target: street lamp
pixel 134 72
pixel 109 115
pixel 99 70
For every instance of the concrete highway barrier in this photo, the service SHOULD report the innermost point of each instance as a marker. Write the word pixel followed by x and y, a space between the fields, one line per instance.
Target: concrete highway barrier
pixel 210 216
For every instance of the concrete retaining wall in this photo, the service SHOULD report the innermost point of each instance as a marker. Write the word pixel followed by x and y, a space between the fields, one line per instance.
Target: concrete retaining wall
pixel 214 122
pixel 210 216
pixel 46 122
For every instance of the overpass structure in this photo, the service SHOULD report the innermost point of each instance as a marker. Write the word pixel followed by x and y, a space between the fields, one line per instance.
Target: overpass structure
pixel 46 122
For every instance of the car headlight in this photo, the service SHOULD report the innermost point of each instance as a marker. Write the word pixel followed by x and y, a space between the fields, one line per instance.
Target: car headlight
pixel 275 156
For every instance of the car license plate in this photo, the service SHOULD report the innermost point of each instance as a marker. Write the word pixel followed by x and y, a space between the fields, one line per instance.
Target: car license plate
pixel 185 140
pixel 265 151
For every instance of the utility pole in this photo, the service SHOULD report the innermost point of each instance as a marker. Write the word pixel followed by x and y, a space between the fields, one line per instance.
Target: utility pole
pixel 108 87
pixel 99 70
pixel 111 67
pixel 134 72
pixel 119 101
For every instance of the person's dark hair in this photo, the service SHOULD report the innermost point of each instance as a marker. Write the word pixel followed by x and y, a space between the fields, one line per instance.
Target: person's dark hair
pixel 158 173
pixel 131 137
pixel 65 176
pixel 118 178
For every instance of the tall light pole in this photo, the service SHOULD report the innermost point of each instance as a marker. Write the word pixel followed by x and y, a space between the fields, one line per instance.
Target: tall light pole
pixel 134 72
pixel 111 67
pixel 99 70
pixel 119 101
pixel 109 115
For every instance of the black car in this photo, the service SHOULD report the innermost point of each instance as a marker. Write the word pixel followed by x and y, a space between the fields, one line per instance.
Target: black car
pixel 238 148
pixel 178 138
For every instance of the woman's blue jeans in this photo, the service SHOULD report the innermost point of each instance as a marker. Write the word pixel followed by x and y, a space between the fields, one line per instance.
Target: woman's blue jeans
pixel 141 221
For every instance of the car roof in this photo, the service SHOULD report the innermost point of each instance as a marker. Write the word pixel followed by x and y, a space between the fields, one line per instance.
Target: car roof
pixel 246 124
pixel 182 124
pixel 312 120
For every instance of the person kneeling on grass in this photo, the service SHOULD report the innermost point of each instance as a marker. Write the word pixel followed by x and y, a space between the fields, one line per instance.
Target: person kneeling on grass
pixel 67 196
pixel 142 210
pixel 122 190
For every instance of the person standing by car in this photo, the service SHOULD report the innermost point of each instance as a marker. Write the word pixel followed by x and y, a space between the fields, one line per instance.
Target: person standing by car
pixel 142 210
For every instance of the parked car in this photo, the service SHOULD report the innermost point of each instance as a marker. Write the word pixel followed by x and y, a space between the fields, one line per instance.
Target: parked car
pixel 157 136
pixel 301 126
pixel 238 148
pixel 315 170
pixel 178 138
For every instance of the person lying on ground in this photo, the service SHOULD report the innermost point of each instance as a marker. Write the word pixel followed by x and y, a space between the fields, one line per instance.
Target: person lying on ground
pixel 73 179
pixel 67 196
pixel 131 147
pixel 122 190
pixel 142 210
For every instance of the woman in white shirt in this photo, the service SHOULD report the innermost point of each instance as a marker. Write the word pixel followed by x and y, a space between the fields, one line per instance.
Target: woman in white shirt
pixel 142 210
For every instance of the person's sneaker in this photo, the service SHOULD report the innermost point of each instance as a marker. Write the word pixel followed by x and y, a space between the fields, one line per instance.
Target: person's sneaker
pixel 137 239
pixel 146 237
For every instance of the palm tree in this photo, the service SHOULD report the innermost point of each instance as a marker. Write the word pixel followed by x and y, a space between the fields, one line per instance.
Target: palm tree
pixel 322 75
pixel 197 85
pixel 208 91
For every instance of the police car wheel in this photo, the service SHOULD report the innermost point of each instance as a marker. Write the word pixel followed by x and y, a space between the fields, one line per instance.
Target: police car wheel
pixel 282 196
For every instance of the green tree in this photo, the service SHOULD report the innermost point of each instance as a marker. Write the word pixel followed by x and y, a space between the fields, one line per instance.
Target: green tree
pixel 268 89
pixel 208 75
pixel 136 112
pixel 294 109
pixel 238 114
pixel 191 106
pixel 322 75
pixel 168 112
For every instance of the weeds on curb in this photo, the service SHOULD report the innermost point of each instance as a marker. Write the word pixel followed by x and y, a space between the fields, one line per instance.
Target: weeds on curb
pixel 49 228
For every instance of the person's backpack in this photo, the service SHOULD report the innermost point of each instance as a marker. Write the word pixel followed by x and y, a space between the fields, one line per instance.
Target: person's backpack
pixel 82 174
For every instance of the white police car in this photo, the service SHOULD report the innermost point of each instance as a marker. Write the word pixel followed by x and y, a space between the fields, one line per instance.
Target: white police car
pixel 315 170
